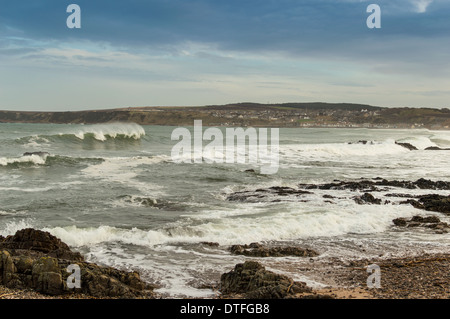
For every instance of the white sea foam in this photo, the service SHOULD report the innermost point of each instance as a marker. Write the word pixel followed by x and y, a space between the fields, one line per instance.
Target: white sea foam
pixel 34 159
pixel 441 138
pixel 420 142
pixel 11 227
pixel 36 141
pixel 124 170
pixel 252 225
pixel 297 152
pixel 26 190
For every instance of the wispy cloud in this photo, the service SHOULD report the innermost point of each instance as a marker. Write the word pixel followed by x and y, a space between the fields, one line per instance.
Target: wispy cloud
pixel 145 52
pixel 421 5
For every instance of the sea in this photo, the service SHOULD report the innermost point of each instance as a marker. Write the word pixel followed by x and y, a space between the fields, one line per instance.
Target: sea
pixel 114 193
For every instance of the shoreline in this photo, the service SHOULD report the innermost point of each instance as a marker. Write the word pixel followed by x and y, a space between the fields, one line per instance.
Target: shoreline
pixel 424 276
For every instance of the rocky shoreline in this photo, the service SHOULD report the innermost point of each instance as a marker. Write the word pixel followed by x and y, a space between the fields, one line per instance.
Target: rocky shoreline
pixel 36 265
pixel 33 266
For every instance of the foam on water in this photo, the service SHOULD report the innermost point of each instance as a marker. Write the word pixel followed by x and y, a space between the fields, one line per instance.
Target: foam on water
pixel 124 170
pixel 33 159
pixel 252 225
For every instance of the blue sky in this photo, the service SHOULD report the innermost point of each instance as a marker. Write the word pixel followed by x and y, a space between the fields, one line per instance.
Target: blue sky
pixel 202 52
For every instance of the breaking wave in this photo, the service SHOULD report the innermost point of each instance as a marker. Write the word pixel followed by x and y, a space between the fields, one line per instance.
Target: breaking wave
pixel 96 132
pixel 46 160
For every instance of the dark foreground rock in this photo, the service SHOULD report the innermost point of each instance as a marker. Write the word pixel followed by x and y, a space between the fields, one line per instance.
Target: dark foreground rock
pixel 258 250
pixel 31 241
pixel 251 280
pixel 37 260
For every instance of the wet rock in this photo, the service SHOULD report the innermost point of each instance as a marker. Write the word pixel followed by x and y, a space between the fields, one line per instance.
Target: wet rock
pixel 258 250
pixel 374 185
pixel 367 198
pixel 253 281
pixel 364 142
pixel 33 259
pixel 436 148
pixel 32 240
pixel 262 193
pixel 436 203
pixel 210 243
pixel 407 145
pixel 431 222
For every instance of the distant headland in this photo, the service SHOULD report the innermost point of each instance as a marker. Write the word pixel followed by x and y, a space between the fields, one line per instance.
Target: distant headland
pixel 251 114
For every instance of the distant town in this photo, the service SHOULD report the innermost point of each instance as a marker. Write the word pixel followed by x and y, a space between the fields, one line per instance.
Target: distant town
pixel 343 115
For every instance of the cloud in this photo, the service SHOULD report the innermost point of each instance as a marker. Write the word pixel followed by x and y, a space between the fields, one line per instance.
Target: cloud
pixel 421 5
pixel 153 47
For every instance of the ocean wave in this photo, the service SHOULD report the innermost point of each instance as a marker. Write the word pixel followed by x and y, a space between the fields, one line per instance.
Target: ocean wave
pixel 23 161
pixel 46 159
pixel 102 132
pixel 441 138
pixel 95 132
pixel 238 226
pixel 338 150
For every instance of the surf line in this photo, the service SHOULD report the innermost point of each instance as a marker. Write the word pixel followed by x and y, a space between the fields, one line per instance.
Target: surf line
pixel 231 148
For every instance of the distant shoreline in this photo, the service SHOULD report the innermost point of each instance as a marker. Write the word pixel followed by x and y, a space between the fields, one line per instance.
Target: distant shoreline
pixel 287 115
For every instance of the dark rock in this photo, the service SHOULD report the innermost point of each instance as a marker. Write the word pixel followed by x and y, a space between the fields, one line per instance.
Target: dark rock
pixel 426 220
pixel 436 203
pixel 407 145
pixel 253 281
pixel 401 222
pixel 210 243
pixel 41 242
pixel 431 222
pixel 262 193
pixel 367 198
pixel 33 259
pixel 371 186
pixel 399 195
pixel 258 250
pixel 436 148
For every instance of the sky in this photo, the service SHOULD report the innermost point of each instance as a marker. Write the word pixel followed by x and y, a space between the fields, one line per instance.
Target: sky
pixel 208 52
